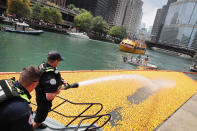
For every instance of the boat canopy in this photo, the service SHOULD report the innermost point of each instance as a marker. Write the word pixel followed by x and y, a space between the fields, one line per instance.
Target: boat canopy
pixel 134 43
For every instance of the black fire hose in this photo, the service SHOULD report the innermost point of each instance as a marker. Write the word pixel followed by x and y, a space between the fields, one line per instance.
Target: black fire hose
pixel 68 86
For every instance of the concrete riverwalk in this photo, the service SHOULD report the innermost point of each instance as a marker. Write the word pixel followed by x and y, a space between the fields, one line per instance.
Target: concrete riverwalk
pixel 184 119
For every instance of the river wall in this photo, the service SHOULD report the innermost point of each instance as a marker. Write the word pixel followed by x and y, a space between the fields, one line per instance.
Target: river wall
pixel 62 30
pixel 49 28
pixel 104 38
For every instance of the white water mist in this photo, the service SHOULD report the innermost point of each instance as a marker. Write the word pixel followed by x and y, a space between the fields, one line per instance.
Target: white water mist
pixel 153 84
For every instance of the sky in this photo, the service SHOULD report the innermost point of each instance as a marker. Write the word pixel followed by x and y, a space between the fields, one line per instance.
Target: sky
pixel 150 9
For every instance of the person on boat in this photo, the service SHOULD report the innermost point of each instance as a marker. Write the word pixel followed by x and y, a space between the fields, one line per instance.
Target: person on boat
pixel 195 66
pixel 15 112
pixel 2 28
pixel 146 60
pixel 48 88
pixel 138 59
pixel 124 58
pixel 15 26
pixel 131 58
pixel 23 28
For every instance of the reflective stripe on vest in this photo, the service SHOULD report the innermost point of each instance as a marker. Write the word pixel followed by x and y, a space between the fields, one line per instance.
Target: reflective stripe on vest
pixel 8 85
pixel 46 69
pixel 49 69
pixel 24 96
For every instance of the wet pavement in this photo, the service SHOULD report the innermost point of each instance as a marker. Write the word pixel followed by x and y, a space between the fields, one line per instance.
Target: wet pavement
pixel 184 119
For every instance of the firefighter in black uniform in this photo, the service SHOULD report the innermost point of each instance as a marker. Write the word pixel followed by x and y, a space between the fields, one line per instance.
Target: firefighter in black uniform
pixel 15 112
pixel 48 88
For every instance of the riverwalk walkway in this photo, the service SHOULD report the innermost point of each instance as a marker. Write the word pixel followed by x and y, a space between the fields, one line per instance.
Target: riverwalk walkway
pixel 184 119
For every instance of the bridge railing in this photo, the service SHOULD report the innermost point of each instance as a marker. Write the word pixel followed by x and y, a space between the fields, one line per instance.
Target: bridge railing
pixel 179 49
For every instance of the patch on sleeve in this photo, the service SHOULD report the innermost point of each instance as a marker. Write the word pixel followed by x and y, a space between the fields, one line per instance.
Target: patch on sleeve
pixel 52 81
pixel 56 71
pixel 41 66
pixel 30 119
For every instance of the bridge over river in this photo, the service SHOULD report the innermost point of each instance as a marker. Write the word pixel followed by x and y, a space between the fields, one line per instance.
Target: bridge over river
pixel 183 50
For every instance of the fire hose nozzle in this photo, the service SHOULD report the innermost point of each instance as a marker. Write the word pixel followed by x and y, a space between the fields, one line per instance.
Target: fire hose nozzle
pixel 74 85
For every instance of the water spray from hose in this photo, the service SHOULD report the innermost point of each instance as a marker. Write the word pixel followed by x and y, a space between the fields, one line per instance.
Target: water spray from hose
pixel 153 84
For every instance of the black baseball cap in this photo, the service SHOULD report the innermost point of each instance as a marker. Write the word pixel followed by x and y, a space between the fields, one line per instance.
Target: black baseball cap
pixel 54 55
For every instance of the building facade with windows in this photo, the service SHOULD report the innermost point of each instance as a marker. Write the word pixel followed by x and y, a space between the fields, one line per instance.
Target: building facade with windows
pixel 134 18
pixel 180 28
pixel 159 21
pixel 111 13
pixel 156 26
pixel 96 7
pixel 120 12
pixel 126 13
pixel 105 8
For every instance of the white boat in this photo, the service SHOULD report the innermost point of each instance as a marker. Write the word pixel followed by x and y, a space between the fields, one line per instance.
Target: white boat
pixel 193 67
pixel 143 65
pixel 23 28
pixel 79 35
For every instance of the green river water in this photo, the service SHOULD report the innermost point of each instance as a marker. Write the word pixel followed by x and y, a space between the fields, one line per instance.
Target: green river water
pixel 20 50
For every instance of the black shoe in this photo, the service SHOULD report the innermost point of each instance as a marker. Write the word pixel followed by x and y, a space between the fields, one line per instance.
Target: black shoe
pixel 42 126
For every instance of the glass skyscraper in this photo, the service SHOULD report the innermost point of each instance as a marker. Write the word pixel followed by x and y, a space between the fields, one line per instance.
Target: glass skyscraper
pixel 180 27
pixel 96 7
pixel 159 21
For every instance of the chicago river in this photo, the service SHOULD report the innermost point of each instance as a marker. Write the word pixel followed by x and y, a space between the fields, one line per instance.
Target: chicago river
pixel 20 50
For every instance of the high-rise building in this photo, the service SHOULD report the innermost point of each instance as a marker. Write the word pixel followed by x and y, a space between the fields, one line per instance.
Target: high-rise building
pixel 132 16
pixel 180 27
pixel 102 8
pixel 150 30
pixel 156 26
pixel 159 21
pixel 111 12
pixel 120 12
pixel 125 13
pixel 105 8
pixel 135 17
pixel 128 14
pixel 96 7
